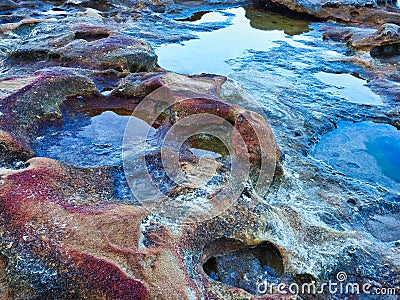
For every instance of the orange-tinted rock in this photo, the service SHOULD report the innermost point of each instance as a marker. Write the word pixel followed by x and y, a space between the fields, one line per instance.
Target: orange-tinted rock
pixel 352 11
pixel 28 101
pixel 202 94
pixel 367 39
pixel 62 217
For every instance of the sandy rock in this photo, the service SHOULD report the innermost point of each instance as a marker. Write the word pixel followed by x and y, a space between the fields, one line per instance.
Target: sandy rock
pixel 88 43
pixel 27 101
pixel 352 11
pixel 368 39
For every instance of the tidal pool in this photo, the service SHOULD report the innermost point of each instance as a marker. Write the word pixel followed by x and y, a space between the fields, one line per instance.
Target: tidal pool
pixel 350 87
pixel 212 50
pixel 87 141
pixel 366 151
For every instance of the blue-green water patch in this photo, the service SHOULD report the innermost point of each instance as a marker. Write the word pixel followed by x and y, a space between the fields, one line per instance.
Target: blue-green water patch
pixel 386 152
pixel 366 151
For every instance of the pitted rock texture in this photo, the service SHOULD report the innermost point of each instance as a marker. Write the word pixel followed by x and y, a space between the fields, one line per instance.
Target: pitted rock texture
pixel 84 43
pixel 368 39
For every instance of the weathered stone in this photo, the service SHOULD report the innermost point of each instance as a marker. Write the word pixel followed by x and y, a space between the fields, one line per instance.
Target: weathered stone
pixel 90 243
pixel 367 39
pixel 88 44
pixel 352 11
pixel 28 101
pixel 385 227
pixel 202 94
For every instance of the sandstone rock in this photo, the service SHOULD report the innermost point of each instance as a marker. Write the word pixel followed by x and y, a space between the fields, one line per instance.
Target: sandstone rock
pixel 352 11
pixel 88 44
pixel 89 249
pixel 28 101
pixel 368 39
pixel 64 220
pixel 202 94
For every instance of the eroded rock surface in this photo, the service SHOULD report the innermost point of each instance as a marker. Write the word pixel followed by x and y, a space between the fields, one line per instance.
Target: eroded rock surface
pixel 352 11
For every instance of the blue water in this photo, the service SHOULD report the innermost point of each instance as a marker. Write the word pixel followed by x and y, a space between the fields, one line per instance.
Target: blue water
pixel 211 52
pixel 386 151
pixel 87 142
pixel 350 87
pixel 367 151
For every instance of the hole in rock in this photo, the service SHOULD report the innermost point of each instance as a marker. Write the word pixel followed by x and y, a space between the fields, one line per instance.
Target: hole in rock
pixel 205 145
pixel 91 36
pixel 21 57
pixel 354 14
pixel 352 201
pixel 246 267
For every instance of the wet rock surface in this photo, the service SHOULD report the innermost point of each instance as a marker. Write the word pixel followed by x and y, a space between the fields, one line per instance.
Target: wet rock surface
pixel 362 12
pixel 72 74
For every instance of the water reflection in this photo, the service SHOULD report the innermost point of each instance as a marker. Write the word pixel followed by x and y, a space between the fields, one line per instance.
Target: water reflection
pixel 266 20
pixel 88 142
pixel 212 50
pixel 366 150
pixel 349 87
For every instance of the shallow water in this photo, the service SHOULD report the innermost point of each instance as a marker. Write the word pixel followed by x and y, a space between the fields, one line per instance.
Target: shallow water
pixel 87 141
pixel 366 151
pixel 211 52
pixel 350 87
pixel 306 89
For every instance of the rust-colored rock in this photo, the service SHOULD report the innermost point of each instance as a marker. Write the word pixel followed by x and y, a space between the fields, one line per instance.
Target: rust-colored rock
pixel 350 11
pixel 367 39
